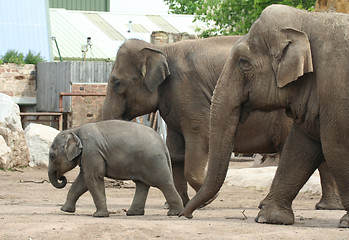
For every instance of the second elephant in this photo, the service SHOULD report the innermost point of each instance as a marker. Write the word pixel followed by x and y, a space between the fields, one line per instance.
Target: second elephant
pixel 178 80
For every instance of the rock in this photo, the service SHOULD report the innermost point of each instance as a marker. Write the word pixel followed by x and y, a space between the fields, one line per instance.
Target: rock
pixel 14 151
pixel 5 150
pixel 261 178
pixel 39 139
pixel 266 160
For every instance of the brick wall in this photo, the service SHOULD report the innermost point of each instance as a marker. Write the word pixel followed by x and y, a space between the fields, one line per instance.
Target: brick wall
pixel 18 81
pixel 86 109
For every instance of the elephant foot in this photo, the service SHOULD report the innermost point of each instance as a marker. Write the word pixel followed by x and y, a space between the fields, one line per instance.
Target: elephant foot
pixel 273 214
pixel 101 213
pixel 135 212
pixel 329 204
pixel 68 208
pixel 344 222
pixel 174 211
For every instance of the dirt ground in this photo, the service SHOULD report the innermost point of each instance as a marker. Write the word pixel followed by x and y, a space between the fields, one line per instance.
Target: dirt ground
pixel 30 209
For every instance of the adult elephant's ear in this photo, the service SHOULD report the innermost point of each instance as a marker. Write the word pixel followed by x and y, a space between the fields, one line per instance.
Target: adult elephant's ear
pixel 294 56
pixel 155 68
pixel 73 146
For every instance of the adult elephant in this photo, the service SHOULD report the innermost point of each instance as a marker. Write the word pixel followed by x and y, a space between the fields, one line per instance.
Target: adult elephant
pixel 295 60
pixel 178 80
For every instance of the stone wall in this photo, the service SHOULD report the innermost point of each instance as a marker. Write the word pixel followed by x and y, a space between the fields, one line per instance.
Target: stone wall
pixel 86 109
pixel 341 6
pixel 166 37
pixel 18 81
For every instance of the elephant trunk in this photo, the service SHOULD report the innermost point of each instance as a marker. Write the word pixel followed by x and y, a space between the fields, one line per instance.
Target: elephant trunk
pixel 106 115
pixel 53 177
pixel 114 106
pixel 224 118
pixel 107 112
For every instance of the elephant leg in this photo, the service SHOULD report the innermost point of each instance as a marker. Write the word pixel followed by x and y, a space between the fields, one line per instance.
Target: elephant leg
pixel 336 153
pixel 330 199
pixel 179 181
pixel 76 190
pixel 196 157
pixel 94 180
pixel 300 158
pixel 175 144
pixel 173 199
pixel 138 203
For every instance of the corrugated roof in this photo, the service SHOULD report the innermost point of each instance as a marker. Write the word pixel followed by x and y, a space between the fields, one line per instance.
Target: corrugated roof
pixel 24 26
pixel 121 23
pixel 104 26
pixel 109 30
pixel 71 29
pixel 165 26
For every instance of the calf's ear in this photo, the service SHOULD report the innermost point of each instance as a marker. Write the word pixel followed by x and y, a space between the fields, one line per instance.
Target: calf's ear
pixel 73 146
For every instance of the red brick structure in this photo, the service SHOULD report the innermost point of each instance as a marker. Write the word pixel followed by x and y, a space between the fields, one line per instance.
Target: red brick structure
pixel 86 109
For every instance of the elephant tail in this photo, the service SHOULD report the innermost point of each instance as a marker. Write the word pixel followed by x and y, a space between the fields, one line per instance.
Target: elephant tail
pixel 168 157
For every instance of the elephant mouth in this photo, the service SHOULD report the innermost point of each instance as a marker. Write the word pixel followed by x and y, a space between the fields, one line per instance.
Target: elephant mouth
pixel 246 109
pixel 126 117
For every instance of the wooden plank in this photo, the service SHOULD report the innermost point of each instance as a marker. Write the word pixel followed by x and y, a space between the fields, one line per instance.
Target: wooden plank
pixel 40 114
pixel 56 77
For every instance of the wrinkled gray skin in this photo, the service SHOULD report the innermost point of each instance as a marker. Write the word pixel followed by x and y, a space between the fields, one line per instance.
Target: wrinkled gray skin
pixel 178 80
pixel 298 61
pixel 118 150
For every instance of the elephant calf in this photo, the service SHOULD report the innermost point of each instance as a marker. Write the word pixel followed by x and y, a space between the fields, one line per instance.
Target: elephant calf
pixel 118 150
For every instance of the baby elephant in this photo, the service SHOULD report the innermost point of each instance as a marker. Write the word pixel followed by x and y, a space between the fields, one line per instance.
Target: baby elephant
pixel 115 149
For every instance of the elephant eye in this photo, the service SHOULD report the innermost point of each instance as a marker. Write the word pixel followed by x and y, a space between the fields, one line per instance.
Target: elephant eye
pixel 52 156
pixel 116 84
pixel 245 65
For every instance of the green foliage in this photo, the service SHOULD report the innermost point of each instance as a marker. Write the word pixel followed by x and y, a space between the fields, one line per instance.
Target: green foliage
pixel 301 4
pixel 183 6
pixel 32 58
pixel 13 169
pixel 13 56
pixel 229 17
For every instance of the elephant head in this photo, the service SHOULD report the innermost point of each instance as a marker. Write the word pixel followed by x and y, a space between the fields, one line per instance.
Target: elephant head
pixel 63 156
pixel 133 84
pixel 262 72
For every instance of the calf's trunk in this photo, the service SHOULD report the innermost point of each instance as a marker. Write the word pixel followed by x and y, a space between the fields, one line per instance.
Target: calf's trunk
pixel 54 180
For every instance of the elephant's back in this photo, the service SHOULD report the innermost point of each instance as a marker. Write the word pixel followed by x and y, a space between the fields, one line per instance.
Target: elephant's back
pixel 128 134
pixel 214 46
